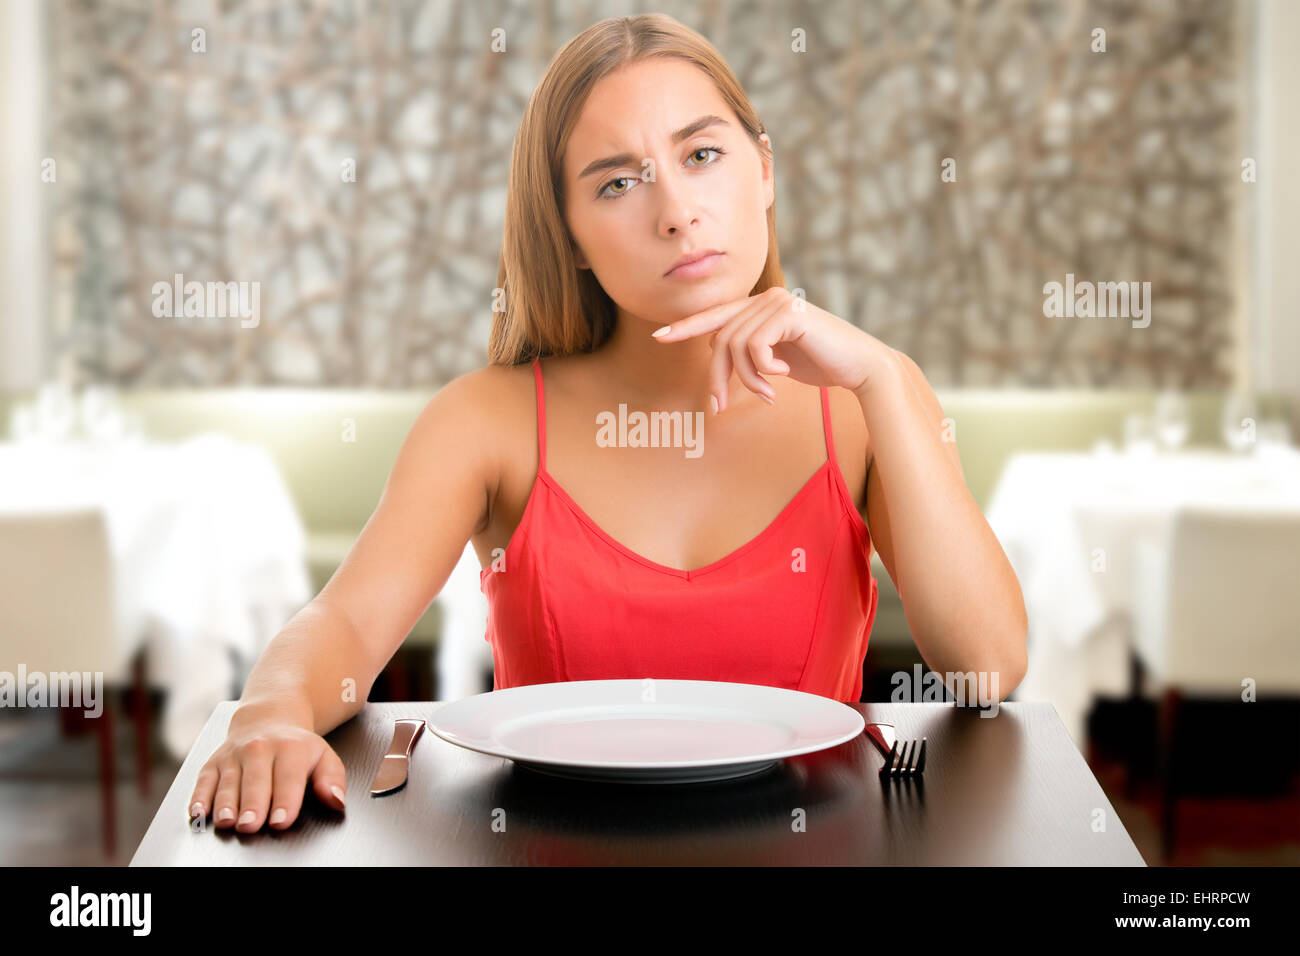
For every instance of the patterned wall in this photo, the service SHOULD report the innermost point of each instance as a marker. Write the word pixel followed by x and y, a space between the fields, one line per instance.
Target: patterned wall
pixel 937 162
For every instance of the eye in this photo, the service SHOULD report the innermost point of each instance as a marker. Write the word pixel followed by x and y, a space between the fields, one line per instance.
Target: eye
pixel 709 149
pixel 610 185
pixel 631 179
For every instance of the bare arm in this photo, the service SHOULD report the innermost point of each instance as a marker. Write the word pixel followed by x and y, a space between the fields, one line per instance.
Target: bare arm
pixel 960 594
pixel 317 672
pixel 319 669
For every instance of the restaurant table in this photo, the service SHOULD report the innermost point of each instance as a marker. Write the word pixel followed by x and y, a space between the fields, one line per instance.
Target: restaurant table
pixel 208 554
pixel 1071 524
pixel 1009 789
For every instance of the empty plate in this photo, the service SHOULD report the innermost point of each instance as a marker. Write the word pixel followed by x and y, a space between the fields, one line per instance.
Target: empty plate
pixel 648 730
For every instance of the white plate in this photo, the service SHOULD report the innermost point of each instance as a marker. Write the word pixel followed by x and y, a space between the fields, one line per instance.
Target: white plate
pixel 647 731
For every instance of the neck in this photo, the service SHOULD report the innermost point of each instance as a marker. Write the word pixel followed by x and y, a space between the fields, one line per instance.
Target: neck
pixel 662 374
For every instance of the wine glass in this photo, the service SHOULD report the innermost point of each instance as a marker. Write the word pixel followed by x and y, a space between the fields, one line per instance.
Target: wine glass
pixel 56 411
pixel 1171 420
pixel 101 417
pixel 1238 421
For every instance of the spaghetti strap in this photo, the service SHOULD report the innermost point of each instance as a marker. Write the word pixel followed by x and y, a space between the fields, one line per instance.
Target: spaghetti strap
pixel 541 415
pixel 826 424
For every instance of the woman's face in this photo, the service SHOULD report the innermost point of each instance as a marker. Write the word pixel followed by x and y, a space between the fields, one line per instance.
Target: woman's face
pixel 661 197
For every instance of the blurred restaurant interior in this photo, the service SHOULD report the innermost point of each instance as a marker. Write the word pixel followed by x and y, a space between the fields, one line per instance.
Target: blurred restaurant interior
pixel 173 487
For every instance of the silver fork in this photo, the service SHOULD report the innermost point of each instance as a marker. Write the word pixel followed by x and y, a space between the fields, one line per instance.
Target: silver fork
pixel 907 760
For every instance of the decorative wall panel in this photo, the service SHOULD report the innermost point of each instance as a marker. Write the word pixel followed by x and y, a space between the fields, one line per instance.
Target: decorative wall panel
pixel 938 164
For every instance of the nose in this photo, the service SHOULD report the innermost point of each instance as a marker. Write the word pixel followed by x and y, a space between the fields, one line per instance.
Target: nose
pixel 678 209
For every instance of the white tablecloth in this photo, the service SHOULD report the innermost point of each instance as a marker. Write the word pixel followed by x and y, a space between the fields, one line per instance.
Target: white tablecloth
pixel 208 552
pixel 1070 524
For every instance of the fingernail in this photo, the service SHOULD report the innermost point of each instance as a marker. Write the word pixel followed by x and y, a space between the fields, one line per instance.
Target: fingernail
pixel 196 810
pixel 713 403
pixel 658 332
pixel 224 814
pixel 338 793
pixel 279 815
pixel 766 399
pixel 247 817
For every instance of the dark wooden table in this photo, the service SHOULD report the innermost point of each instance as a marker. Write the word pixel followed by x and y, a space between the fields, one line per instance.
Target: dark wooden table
pixel 1005 790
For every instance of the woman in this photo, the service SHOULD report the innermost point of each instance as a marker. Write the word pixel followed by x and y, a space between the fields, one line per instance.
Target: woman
pixel 639 150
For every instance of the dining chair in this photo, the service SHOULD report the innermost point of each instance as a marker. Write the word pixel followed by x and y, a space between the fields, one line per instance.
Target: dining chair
pixel 1216 604
pixel 58 615
pixel 464 662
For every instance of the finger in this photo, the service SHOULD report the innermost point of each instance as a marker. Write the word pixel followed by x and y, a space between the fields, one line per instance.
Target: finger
pixel 710 320
pixel 720 362
pixel 288 784
pixel 724 357
pixel 256 755
pixel 719 374
pixel 226 802
pixel 204 788
pixel 327 776
pixel 776 328
pixel 742 358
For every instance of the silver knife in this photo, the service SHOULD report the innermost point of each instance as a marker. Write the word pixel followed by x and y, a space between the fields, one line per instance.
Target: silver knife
pixel 392 771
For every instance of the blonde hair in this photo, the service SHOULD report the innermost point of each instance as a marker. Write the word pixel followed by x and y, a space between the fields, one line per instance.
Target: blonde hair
pixel 551 307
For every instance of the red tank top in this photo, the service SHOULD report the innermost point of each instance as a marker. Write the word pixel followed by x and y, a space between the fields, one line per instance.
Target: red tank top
pixel 791 608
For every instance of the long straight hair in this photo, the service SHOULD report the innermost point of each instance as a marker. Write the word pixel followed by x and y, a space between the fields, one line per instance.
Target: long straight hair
pixel 546 305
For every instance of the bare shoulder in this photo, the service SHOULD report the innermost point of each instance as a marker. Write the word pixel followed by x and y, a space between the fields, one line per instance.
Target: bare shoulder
pixel 487 410
pixel 493 394
pixel 470 428
pixel 497 406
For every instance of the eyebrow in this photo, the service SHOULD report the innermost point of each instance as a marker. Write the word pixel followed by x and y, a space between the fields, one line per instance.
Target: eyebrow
pixel 627 159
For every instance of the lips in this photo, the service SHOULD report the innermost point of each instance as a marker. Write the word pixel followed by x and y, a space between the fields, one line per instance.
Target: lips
pixel 693 257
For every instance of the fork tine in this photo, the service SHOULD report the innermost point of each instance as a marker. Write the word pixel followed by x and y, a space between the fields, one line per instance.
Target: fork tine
pixel 903 757
pixel 906 758
pixel 889 761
